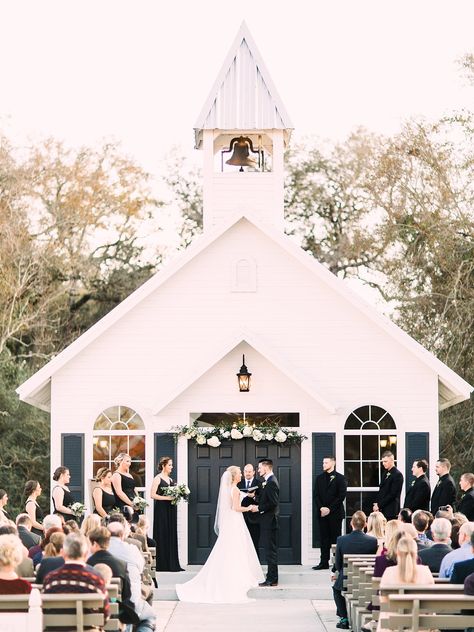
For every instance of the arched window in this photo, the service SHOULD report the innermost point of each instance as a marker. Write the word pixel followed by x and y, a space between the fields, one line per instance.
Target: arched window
pixel 119 429
pixel 368 432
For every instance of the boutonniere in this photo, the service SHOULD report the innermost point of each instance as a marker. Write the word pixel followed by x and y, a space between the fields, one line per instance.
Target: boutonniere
pixel 463 496
pixel 412 483
pixel 264 483
pixel 388 474
pixel 438 483
pixel 331 478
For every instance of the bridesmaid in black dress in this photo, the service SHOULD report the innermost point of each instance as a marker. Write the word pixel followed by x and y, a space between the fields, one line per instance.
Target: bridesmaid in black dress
pixel 124 485
pixel 32 491
pixel 103 495
pixel 165 527
pixel 62 497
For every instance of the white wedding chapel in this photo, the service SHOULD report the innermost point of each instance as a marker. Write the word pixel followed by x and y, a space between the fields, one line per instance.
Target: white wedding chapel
pixel 323 362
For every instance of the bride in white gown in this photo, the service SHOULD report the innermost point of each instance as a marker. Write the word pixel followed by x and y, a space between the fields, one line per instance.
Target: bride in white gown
pixel 232 567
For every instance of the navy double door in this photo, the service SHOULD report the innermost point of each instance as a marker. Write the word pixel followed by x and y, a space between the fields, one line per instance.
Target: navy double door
pixel 205 468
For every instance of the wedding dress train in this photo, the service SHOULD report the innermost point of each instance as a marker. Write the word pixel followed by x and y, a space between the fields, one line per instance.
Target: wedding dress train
pixel 232 567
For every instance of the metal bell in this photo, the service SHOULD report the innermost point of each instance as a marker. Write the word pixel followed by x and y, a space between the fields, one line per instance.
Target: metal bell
pixel 241 147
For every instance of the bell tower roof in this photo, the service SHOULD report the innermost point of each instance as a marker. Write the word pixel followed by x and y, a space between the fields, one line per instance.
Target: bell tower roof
pixel 243 96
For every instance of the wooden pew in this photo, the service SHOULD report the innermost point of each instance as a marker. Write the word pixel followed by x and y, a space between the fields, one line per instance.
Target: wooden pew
pixel 74 609
pixel 21 613
pixel 427 610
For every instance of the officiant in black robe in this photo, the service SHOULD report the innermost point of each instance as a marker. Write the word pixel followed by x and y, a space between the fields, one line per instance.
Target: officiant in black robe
pixel 249 482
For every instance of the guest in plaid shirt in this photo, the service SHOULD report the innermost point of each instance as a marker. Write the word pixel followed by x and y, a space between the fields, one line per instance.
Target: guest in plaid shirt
pixel 76 576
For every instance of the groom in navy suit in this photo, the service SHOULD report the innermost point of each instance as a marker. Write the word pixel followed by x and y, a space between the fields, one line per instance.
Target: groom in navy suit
pixel 267 511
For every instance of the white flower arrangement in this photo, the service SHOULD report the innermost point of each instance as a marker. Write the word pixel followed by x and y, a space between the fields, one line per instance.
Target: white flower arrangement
pixel 213 442
pixel 139 503
pixel 177 493
pixel 214 435
pixel 78 509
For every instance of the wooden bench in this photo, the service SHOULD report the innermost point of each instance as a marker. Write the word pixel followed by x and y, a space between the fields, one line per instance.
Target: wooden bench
pixel 427 610
pixel 21 613
pixel 73 610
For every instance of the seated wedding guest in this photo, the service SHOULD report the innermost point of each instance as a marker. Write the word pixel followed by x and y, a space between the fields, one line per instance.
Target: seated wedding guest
pixel 431 556
pixel 376 523
pixel 406 571
pixel 135 564
pixel 464 552
pixel 38 556
pixel 421 521
pixel 404 515
pixel 32 491
pixel 24 524
pixel 143 527
pixel 3 501
pixel 71 526
pixel 52 556
pixel 91 522
pixel 456 521
pixel 99 544
pixel 104 571
pixel 11 555
pixel 355 542
pixel 50 521
pixel 462 569
pixel 128 533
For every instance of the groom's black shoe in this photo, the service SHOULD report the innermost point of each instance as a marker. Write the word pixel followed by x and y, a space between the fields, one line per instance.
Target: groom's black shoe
pixel 267 583
pixel 321 566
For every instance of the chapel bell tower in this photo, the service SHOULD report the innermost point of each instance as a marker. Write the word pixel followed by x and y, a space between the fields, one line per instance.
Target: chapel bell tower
pixel 243 130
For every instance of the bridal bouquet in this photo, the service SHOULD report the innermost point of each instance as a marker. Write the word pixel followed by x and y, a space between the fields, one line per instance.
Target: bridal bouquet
pixel 139 503
pixel 78 509
pixel 177 493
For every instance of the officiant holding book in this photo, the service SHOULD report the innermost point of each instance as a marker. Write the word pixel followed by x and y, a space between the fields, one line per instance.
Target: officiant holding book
pixel 252 487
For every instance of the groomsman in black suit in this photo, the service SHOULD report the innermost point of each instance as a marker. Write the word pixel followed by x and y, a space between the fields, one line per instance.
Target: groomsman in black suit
pixel 444 492
pixel 419 492
pixel 329 494
pixel 466 504
pixel 391 483
pixel 268 509
pixel 247 483
pixel 355 542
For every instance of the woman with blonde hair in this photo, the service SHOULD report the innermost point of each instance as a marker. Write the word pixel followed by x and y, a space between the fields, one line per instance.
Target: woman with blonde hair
pixel 123 483
pixel 232 567
pixel 11 554
pixel 52 558
pixel 376 523
pixel 91 522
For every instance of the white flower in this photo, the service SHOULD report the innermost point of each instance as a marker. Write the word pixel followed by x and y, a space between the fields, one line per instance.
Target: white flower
pixel 214 442
pixel 280 436
pixel 247 431
pixel 236 434
pixel 188 435
pixel 200 439
pixel 269 436
pixel 257 435
pixel 226 434
pixel 222 431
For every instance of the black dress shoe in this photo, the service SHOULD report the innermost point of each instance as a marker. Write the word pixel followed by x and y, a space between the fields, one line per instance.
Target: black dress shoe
pixel 266 583
pixel 320 567
pixel 343 624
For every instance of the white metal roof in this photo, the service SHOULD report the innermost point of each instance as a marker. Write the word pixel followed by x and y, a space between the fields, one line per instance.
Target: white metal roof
pixel 452 388
pixel 243 96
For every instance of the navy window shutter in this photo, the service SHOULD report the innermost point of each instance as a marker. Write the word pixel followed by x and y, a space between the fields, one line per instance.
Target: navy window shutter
pixel 417 446
pixel 165 445
pixel 72 457
pixel 324 444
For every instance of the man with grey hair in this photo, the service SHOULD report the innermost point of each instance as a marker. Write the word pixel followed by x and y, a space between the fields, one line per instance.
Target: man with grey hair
pixel 464 552
pixel 75 576
pixel 24 524
pixel 433 555
pixel 52 521
pixel 135 565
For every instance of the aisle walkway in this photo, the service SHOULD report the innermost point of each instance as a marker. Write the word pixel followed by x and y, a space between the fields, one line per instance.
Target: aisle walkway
pixel 295 615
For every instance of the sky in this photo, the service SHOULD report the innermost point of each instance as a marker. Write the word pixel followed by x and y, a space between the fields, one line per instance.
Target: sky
pixel 139 71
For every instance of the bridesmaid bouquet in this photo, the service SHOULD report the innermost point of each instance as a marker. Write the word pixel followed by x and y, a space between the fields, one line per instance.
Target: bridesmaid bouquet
pixel 78 509
pixel 177 493
pixel 139 503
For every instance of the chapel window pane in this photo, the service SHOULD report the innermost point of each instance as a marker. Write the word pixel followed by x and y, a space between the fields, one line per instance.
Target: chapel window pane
pixel 97 465
pixel 102 423
pixel 119 425
pixel 388 442
pixel 112 413
pixel 119 445
pixel 136 423
pixel 376 413
pixel 362 413
pixel 351 447
pixel 370 474
pixel 352 423
pixel 370 447
pixel 137 447
pixel 352 473
pixel 387 423
pixel 137 470
pixel 353 502
pixel 126 413
pixel 370 425
pixel 101 448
